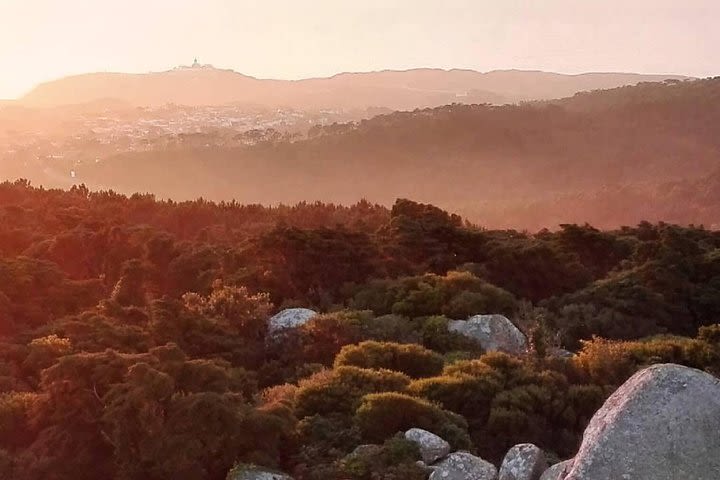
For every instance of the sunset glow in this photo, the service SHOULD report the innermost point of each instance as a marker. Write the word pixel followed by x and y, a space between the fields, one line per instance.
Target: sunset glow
pixel 359 240
pixel 42 40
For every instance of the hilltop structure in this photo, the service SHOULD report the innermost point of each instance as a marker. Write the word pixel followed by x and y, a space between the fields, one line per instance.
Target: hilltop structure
pixel 194 66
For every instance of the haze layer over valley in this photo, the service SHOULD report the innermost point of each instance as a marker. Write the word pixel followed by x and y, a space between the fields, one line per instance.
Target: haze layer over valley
pixel 609 157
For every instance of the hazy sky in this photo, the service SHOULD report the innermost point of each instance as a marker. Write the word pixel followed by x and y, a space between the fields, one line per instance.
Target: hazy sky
pixel 45 39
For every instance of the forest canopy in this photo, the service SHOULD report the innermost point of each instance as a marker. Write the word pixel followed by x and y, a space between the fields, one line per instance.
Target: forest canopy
pixel 134 339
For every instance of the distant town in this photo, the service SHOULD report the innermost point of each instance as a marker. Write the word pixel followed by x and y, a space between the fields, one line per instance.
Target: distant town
pixel 60 141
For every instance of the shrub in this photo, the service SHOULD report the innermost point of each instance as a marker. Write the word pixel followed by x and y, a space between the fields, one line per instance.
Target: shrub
pixel 463 394
pixel 382 415
pixel 413 360
pixel 14 418
pixel 340 390
pixel 391 328
pixel 505 369
pixel 395 459
pixel 44 351
pixel 323 336
pixel 326 438
pixel 609 362
pixel 457 295
pixel 437 337
pixel 234 309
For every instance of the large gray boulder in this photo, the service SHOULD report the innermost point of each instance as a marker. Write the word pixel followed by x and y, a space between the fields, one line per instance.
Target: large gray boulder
pixel 289 318
pixel 662 424
pixel 557 471
pixel 432 447
pixel 523 462
pixel 492 332
pixel 463 466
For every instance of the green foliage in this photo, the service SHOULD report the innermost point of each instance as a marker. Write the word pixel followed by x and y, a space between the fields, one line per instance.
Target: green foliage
pixel 151 415
pixel 391 328
pixel 234 309
pixel 340 390
pixel 669 286
pixel 555 269
pixel 323 336
pixel 512 400
pixel 299 258
pixel 43 352
pixel 111 367
pixel 468 395
pixel 15 429
pixel 34 291
pixel 412 360
pixel 436 336
pixel 129 290
pixel 610 362
pixel 382 415
pixel 456 295
pixel 395 459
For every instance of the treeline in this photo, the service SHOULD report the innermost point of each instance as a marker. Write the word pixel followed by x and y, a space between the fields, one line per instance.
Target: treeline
pixel 134 339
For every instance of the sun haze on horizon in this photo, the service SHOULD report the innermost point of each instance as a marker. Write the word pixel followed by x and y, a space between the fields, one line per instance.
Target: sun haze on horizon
pixel 41 40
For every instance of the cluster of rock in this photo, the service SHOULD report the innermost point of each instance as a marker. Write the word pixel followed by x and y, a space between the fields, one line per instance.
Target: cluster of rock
pixel 662 424
pixel 522 462
pixel 492 332
pixel 436 456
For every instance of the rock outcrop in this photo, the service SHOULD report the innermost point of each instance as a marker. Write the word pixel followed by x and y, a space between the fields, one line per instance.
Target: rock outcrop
pixel 366 450
pixel 492 332
pixel 557 471
pixel 250 472
pixel 523 462
pixel 662 424
pixel 289 318
pixel 432 447
pixel 463 466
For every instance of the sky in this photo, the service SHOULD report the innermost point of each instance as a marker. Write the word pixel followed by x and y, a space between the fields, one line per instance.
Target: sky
pixel 41 40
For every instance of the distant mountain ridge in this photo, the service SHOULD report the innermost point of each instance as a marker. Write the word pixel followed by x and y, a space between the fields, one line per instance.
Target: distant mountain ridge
pixel 392 89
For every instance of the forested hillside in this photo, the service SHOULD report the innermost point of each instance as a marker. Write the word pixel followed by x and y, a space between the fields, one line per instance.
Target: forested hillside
pixel 134 332
pixel 615 157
